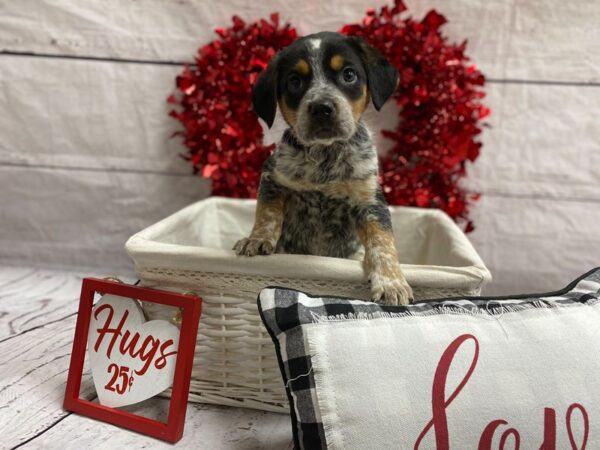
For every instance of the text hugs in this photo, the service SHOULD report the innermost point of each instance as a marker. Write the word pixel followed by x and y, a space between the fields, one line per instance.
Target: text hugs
pixel 147 350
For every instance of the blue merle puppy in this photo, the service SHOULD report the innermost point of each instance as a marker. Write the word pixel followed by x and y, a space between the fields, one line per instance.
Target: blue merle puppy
pixel 318 191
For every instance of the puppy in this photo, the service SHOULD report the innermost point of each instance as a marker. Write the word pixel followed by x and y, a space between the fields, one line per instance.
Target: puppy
pixel 318 191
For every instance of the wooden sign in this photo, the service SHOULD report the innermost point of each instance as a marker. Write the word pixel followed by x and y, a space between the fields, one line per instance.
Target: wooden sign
pixel 132 359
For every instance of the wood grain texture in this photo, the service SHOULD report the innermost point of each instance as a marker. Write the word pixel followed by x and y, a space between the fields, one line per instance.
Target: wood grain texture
pixel 535 245
pixel 543 140
pixel 33 375
pixel 103 125
pixel 207 427
pixel 83 218
pixel 91 114
pixel 525 40
pixel 32 298
pixel 86 161
pixel 543 144
pixel 552 40
pixel 33 370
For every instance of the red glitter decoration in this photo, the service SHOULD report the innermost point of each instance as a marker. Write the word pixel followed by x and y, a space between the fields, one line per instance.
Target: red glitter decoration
pixel 221 132
pixel 439 106
pixel 439 100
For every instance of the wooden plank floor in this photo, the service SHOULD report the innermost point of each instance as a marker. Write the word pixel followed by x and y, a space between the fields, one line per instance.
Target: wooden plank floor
pixel 37 319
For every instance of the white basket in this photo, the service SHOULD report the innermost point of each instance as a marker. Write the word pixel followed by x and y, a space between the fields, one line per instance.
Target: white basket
pixel 235 361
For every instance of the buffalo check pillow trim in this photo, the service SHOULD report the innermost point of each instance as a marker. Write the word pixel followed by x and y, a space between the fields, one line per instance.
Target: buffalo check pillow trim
pixel 473 372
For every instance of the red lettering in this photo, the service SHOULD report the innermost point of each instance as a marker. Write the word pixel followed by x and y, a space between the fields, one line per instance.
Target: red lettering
pixel 116 332
pixel 586 426
pixel 129 342
pixel 549 430
pixel 149 348
pixel 507 434
pixel 439 420
pixel 439 407
pixel 125 346
pixel 162 361
pixel 485 442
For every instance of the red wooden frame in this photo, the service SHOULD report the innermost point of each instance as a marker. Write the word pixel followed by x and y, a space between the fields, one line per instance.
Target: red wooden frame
pixel 191 307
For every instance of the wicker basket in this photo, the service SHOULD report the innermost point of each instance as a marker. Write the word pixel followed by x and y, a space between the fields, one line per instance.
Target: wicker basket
pixel 235 360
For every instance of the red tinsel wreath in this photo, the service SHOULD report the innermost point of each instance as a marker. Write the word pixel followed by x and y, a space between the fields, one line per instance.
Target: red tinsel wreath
pixel 439 100
pixel 222 133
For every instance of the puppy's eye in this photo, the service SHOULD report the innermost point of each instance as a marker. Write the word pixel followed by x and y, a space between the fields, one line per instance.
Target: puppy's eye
pixel 349 75
pixel 294 83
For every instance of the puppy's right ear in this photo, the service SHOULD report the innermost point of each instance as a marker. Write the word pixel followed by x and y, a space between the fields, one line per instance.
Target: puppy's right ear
pixel 264 94
pixel 382 76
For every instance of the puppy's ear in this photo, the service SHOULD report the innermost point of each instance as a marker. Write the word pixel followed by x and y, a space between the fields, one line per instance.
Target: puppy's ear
pixel 264 93
pixel 382 76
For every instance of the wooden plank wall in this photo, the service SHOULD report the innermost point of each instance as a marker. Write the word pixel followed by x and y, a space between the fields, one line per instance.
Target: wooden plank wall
pixel 86 159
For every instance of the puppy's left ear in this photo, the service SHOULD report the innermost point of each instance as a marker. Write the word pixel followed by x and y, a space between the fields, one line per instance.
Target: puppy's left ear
pixel 264 93
pixel 382 76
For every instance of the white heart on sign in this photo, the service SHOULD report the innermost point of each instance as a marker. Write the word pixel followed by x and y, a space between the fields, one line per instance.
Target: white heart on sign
pixel 131 360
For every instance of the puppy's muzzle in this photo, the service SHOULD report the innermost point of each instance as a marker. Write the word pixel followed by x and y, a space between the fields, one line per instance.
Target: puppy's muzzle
pixel 323 110
pixel 323 119
pixel 324 116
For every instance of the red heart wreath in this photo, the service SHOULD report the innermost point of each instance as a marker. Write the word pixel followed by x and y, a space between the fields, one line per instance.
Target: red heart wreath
pixel 439 100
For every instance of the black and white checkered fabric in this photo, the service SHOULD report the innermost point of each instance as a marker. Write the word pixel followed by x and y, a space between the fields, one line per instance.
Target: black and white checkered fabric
pixel 286 312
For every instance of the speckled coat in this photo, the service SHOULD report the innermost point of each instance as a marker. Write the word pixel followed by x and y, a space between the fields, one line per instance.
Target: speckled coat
pixel 322 213
pixel 318 191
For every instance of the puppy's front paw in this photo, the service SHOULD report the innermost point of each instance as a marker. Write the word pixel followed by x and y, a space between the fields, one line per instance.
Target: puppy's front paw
pixel 254 246
pixel 390 290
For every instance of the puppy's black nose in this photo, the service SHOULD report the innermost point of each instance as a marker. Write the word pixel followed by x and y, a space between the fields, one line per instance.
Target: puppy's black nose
pixel 323 109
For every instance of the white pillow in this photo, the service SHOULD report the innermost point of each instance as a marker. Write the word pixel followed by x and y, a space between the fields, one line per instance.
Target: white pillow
pixel 473 373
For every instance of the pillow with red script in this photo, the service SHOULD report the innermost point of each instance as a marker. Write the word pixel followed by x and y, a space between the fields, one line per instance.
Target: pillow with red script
pixel 472 373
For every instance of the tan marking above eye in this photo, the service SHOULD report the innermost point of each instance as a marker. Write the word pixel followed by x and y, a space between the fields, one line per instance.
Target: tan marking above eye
pixel 302 67
pixel 337 62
